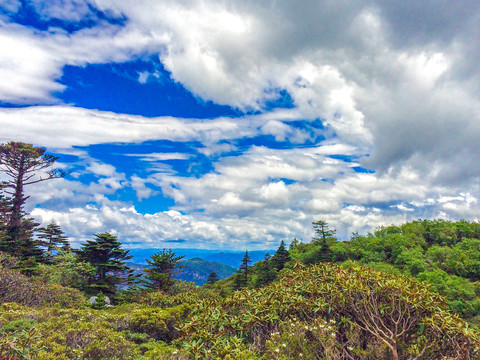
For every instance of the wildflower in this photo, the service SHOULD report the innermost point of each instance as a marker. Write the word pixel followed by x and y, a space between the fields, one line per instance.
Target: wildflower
pixel 284 345
pixel 277 350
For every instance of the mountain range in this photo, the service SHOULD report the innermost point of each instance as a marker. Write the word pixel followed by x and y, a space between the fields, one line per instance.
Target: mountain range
pixel 195 270
pixel 227 257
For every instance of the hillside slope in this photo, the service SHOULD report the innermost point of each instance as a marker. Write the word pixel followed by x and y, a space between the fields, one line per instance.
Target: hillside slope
pixel 197 270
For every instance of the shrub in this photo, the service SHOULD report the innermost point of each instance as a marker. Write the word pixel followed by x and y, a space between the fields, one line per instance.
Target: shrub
pixel 376 315
pixel 157 323
pixel 15 287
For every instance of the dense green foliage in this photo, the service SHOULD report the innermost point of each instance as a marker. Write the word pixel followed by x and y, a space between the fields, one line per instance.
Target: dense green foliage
pixel 161 268
pixel 322 312
pixel 106 255
pixel 242 277
pixel 212 278
pixel 18 288
pixel 443 253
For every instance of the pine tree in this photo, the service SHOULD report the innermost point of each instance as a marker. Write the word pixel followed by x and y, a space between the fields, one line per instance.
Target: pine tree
pixel 321 228
pixel 212 278
pixel 160 270
pixel 266 272
pixel 22 165
pixel 324 238
pixel 106 255
pixel 243 273
pixel 295 242
pixel 281 257
pixel 53 238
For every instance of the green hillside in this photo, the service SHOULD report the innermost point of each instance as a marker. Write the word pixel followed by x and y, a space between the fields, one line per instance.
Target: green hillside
pixel 444 254
pixel 322 311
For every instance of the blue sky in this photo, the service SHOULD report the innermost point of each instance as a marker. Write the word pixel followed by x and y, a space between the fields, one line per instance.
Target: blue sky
pixel 234 125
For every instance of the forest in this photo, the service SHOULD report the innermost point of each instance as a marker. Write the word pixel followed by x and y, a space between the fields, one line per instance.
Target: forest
pixel 409 291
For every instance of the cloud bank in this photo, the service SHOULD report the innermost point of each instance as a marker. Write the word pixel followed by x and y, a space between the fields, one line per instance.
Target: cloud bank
pixel 394 87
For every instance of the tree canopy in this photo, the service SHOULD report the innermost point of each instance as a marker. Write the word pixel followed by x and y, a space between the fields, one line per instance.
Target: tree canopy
pixel 106 255
pixel 23 165
pixel 162 266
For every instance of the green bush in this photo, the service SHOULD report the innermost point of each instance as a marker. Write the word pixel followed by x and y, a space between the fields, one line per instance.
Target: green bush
pixel 157 323
pixel 330 311
pixel 15 287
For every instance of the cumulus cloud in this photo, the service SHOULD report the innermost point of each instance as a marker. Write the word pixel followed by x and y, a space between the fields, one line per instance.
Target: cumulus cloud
pixel 369 70
pixel 395 81
pixel 257 198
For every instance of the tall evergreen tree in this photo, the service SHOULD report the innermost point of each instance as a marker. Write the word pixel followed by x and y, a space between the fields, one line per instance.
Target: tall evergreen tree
pixel 53 238
pixel 243 273
pixel 212 278
pixel 325 236
pixel 323 231
pixel 22 165
pixel 266 272
pixel 295 242
pixel 161 268
pixel 281 257
pixel 106 255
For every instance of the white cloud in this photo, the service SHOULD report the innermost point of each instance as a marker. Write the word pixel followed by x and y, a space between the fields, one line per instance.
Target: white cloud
pixel 71 10
pixel 382 85
pixel 10 5
pixel 161 156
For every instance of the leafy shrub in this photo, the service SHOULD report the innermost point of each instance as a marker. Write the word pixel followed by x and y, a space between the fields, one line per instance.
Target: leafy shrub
pixel 18 344
pixel 7 261
pixel 68 270
pixel 15 287
pixel 157 323
pixel 361 304
pixel 69 333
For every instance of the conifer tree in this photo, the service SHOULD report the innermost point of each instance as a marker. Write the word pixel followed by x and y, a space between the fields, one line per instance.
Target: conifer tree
pixel 106 255
pixel 281 257
pixel 161 268
pixel 212 278
pixel 325 235
pixel 243 273
pixel 295 242
pixel 266 273
pixel 53 238
pixel 322 229
pixel 22 165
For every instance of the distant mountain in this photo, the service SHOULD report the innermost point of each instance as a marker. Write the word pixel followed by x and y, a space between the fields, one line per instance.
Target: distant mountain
pixel 232 258
pixel 195 270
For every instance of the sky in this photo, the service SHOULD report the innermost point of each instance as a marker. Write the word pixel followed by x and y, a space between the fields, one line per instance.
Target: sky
pixel 234 124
